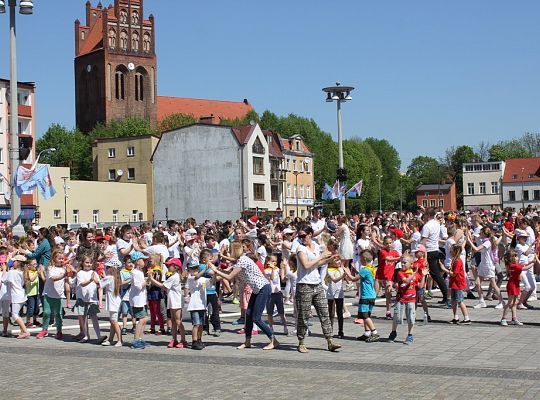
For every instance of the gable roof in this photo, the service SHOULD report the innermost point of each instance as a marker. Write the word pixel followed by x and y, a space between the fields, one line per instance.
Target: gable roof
pixel 201 108
pixel 515 167
pixel 434 187
pixel 274 143
pixel 243 133
pixel 94 40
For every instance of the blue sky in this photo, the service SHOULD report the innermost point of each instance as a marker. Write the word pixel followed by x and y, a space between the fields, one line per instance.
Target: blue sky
pixel 428 74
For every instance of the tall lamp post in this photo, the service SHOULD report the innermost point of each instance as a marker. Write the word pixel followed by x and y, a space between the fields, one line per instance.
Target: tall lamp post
pixel 26 8
pixel 66 187
pixel 339 94
pixel 522 190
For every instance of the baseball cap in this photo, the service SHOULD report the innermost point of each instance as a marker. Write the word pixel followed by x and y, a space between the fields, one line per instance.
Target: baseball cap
pixel 104 237
pixel 113 262
pixel 137 255
pixel 18 257
pixel 421 248
pixel 398 232
pixel 253 220
pixel 287 231
pixel 174 261
pixel 331 227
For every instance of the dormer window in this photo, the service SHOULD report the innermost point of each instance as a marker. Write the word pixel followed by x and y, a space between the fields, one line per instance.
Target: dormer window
pixel 297 143
pixel 258 148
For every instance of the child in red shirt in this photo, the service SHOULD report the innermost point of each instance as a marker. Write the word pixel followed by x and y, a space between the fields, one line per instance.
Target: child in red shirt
pixel 513 270
pixel 406 297
pixel 419 264
pixel 385 271
pixel 458 285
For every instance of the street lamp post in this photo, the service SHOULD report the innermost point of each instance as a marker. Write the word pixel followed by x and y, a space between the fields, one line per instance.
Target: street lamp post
pixel 65 178
pixel 25 7
pixel 339 94
pixel 380 193
pixel 401 193
pixel 522 190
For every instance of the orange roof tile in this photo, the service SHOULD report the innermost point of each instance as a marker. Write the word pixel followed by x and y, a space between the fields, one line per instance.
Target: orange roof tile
pixel 201 107
pixel 94 39
pixel 515 167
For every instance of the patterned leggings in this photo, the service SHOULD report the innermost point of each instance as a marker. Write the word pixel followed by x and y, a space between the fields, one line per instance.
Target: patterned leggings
pixel 306 296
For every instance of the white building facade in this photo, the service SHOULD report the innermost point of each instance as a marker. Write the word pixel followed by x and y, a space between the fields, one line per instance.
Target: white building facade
pixel 521 183
pixel 482 183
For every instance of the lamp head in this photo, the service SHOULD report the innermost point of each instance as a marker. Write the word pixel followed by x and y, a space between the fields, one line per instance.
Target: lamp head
pixel 26 7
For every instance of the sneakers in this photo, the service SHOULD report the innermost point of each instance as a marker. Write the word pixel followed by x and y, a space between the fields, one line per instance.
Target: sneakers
pixel 182 345
pixel 42 334
pixel 239 321
pixel 197 346
pixel 388 315
pixel 516 322
pixel 363 338
pixel 428 295
pixel 465 322
pixel 302 348
pixel 392 336
pixel 481 304
pixel 59 335
pixel 528 306
pixel 23 335
pixel 499 306
pixel 124 331
pixel 346 315
pixel 173 343
pixel 216 333
pixel 235 301
pixel 504 322
pixel 333 346
pixel 449 304
pixel 454 321
pixel 409 339
pixel 29 325
pixel 138 345
pixel 373 338
pixel 243 331
pixel 105 343
pixel 521 307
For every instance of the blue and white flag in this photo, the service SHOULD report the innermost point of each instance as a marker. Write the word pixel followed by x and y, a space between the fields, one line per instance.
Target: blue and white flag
pixel 338 191
pixel 27 180
pixel 44 182
pixel 327 192
pixel 355 190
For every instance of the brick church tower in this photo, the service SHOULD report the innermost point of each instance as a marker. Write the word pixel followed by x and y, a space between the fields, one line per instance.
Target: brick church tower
pixel 115 64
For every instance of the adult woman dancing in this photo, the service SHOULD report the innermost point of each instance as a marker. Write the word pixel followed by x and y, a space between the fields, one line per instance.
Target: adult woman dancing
pixel 309 290
pixel 248 272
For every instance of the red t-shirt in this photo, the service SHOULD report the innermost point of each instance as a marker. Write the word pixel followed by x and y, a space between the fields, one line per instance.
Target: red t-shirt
pixel 406 292
pixel 260 265
pixel 458 281
pixel 385 270
pixel 512 287
pixel 419 265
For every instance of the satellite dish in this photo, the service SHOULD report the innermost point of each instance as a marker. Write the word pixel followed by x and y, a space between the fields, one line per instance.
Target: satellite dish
pixel 119 172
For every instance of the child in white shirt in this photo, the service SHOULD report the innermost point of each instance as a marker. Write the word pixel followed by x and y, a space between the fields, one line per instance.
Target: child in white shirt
pixel 17 295
pixel 196 285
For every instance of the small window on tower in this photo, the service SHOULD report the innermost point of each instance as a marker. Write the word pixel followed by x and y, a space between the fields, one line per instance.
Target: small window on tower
pixel 135 18
pixel 112 38
pixel 123 16
pixel 146 42
pixel 135 41
pixel 83 35
pixel 123 40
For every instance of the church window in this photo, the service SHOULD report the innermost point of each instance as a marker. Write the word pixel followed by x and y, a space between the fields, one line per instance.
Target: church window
pixel 123 16
pixel 135 18
pixel 135 41
pixel 120 85
pixel 139 87
pixel 123 40
pixel 146 42
pixel 112 38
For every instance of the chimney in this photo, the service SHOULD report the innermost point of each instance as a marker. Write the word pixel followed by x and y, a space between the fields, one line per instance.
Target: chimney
pixel 246 101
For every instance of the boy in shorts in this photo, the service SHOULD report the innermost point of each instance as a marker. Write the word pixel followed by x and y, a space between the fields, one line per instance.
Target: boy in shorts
pixel 125 288
pixel 406 297
pixel 137 298
pixel 196 284
pixel 367 295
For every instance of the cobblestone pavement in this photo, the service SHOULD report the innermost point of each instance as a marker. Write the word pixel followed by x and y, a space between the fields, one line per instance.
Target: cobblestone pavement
pixel 480 361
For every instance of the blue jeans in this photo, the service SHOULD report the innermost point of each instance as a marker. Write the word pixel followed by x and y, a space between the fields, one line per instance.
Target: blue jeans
pixel 32 305
pixel 255 308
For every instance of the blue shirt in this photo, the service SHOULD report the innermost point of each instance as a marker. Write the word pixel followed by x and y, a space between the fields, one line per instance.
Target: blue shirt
pixel 211 284
pixel 367 290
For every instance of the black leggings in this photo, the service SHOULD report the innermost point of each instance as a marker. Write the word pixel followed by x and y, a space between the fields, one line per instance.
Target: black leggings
pixel 212 299
pixel 435 272
pixel 339 310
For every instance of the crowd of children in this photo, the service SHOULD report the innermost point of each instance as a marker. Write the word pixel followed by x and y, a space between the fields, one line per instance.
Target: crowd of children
pixel 155 274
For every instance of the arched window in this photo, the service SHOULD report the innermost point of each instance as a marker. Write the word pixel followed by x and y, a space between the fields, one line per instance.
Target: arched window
pixel 123 16
pixel 83 35
pixel 123 40
pixel 135 41
pixel 112 38
pixel 139 87
pixel 120 85
pixel 135 18
pixel 146 42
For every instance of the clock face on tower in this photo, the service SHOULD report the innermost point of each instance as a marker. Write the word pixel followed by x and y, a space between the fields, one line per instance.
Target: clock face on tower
pixel 131 66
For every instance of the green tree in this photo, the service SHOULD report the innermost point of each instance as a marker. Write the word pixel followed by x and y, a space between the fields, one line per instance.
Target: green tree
pixel 507 149
pixel 454 160
pixel 175 121
pixel 391 163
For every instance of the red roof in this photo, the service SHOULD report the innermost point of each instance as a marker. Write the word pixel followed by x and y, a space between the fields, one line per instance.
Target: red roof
pixel 274 147
pixel 518 168
pixel 94 39
pixel 201 108
pixel 243 133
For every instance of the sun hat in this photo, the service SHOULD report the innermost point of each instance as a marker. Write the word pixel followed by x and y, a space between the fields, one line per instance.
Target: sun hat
pixel 137 255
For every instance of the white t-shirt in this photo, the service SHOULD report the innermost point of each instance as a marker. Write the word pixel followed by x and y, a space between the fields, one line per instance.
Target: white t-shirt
pixel 137 294
pixel 311 276
pixel 15 286
pixel 148 236
pixel 174 293
pixel 54 289
pixel 431 231
pixel 275 283
pixel 86 293
pixel 197 291
pixel 486 259
pixel 294 246
pixel 174 249
pixel 521 249
pixel 122 244
pixel 113 302
pixel 4 296
pixel 160 249
pixel 262 254
pixel 415 241
pixel 317 226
